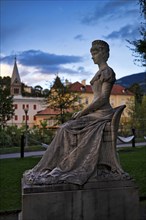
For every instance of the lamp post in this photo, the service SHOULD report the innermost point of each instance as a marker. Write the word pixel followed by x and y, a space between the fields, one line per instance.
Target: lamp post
pixel 26 126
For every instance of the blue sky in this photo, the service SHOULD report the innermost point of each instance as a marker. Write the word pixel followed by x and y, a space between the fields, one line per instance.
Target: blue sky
pixel 54 37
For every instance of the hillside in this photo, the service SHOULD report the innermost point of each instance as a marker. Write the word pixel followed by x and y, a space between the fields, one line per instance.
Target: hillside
pixel 139 78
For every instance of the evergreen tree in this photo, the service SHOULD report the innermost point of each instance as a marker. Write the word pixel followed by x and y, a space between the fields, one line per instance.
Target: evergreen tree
pixel 62 100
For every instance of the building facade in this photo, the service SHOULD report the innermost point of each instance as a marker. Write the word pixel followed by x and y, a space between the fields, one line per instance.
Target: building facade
pixel 25 110
pixel 25 107
pixel 119 96
pixel 32 110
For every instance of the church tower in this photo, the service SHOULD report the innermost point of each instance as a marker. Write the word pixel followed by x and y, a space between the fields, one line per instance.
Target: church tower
pixel 15 81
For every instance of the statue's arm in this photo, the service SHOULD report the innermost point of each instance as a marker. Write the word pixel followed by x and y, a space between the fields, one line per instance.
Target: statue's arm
pixel 98 102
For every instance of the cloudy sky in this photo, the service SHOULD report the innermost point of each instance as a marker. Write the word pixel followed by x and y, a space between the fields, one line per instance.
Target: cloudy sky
pixel 54 37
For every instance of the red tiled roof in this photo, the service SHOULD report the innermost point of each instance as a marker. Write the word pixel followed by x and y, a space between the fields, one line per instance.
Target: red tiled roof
pixel 48 111
pixel 78 87
pixel 88 88
pixel 117 89
pixel 120 90
pixel 75 87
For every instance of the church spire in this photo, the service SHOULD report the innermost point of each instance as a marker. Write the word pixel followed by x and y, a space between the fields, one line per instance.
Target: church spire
pixel 15 80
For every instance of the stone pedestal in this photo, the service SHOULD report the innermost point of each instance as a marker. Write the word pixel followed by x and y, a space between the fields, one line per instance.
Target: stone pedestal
pixel 97 200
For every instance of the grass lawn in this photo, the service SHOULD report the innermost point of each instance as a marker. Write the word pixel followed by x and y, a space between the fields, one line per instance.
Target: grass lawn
pixel 11 171
pixel 133 161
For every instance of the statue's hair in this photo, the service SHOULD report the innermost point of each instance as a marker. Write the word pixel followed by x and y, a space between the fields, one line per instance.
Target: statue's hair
pixel 102 45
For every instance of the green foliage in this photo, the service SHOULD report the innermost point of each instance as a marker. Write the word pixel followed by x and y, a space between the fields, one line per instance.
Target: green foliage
pixel 15 134
pixel 137 115
pixel 41 134
pixel 140 44
pixel 6 104
pixel 142 114
pixel 138 93
pixel 137 110
pixel 62 100
pixel 11 135
pixel 5 82
pixel 5 139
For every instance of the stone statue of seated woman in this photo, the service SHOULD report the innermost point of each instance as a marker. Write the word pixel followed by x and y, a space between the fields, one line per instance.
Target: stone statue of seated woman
pixel 78 152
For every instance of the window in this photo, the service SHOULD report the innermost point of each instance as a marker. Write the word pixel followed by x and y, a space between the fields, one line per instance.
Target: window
pixel 34 107
pixel 24 117
pixel 34 118
pixel 16 117
pixel 15 106
pixel 25 106
pixel 16 91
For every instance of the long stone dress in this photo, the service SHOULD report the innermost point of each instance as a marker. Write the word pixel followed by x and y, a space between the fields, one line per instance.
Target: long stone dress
pixel 74 153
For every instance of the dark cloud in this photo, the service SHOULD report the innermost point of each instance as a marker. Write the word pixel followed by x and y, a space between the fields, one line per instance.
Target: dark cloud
pixel 128 32
pixel 44 62
pixel 110 10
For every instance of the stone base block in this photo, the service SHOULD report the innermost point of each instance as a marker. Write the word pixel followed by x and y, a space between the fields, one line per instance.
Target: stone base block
pixel 97 200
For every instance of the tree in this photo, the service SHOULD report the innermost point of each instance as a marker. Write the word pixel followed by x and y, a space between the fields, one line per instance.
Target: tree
pixel 133 113
pixel 138 93
pixel 140 45
pixel 61 99
pixel 6 105
pixel 5 82
pixel 38 90
pixel 137 116
pixel 46 92
pixel 143 114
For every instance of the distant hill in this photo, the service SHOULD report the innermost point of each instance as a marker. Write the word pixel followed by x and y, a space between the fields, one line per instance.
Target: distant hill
pixel 139 78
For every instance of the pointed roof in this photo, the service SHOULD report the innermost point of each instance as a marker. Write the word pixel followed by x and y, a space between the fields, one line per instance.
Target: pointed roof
pixel 15 74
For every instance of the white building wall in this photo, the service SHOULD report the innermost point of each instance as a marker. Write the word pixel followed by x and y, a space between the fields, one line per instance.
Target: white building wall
pixel 34 104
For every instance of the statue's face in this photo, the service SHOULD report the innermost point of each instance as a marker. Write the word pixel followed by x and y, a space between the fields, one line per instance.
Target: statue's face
pixel 97 55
